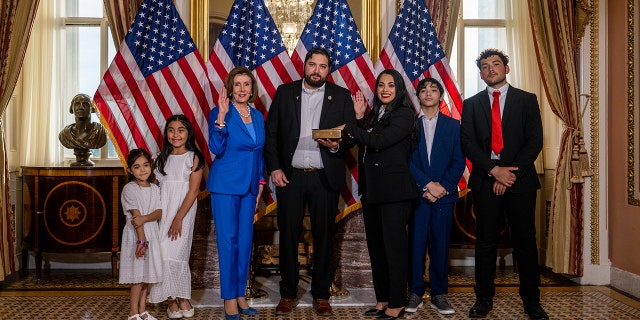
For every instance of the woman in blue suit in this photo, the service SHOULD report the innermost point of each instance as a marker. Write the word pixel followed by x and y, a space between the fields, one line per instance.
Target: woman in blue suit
pixel 236 181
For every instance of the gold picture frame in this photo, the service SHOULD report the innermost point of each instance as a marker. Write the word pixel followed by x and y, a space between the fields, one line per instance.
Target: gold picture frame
pixel 633 104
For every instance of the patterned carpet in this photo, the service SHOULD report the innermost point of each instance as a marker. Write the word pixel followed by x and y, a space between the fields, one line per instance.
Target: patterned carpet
pixel 560 305
pixel 102 280
pixel 80 294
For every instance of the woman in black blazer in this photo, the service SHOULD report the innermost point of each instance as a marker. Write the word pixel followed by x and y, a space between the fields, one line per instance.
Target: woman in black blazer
pixel 386 186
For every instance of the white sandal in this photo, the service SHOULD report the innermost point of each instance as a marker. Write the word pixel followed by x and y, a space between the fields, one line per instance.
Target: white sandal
pixel 187 313
pixel 134 317
pixel 149 317
pixel 174 314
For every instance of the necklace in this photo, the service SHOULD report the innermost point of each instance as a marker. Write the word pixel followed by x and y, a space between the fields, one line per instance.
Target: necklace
pixel 242 115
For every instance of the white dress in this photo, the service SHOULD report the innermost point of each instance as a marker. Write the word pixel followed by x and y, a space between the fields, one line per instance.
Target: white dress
pixel 147 269
pixel 176 281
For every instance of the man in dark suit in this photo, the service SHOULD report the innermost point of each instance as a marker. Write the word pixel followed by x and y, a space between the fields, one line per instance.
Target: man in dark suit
pixel 436 164
pixel 501 134
pixel 307 172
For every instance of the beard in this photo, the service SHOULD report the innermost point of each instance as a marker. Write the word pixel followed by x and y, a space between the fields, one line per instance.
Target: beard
pixel 314 83
pixel 496 81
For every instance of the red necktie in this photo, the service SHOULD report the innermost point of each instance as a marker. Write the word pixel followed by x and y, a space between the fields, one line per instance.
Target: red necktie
pixel 496 124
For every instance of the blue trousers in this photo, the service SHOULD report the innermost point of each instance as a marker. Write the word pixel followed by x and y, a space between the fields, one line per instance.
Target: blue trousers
pixel 430 228
pixel 233 218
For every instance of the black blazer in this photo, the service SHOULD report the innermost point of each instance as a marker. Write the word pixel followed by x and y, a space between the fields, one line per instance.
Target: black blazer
pixel 383 157
pixel 521 133
pixel 282 129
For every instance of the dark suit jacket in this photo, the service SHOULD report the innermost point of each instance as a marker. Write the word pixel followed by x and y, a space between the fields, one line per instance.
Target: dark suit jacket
pixel 283 129
pixel 521 133
pixel 238 165
pixel 383 157
pixel 447 161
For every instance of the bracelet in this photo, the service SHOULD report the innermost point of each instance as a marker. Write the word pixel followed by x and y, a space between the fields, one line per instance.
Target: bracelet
pixel 221 125
pixel 143 243
pixel 262 182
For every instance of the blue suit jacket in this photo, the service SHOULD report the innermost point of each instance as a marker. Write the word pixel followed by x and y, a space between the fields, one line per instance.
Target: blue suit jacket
pixel 238 165
pixel 447 161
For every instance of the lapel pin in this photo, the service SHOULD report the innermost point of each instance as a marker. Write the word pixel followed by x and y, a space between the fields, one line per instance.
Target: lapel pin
pixel 297 97
pixel 329 97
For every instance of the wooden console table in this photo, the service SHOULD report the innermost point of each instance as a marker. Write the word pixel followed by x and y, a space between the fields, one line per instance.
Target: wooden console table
pixel 72 210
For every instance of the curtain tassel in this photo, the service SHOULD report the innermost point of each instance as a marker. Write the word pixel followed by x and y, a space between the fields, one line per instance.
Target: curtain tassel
pixel 584 160
pixel 576 168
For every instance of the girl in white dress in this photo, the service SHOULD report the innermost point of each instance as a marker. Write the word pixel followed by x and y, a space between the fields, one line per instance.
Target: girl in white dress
pixel 179 170
pixel 140 262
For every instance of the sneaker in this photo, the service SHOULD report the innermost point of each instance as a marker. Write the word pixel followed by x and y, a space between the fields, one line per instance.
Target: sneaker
pixel 441 304
pixel 415 302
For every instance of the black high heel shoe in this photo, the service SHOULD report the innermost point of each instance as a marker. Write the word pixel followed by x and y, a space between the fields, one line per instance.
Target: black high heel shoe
pixel 385 316
pixel 373 312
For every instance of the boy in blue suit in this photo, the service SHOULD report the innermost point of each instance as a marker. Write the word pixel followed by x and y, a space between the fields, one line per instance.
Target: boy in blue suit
pixel 436 164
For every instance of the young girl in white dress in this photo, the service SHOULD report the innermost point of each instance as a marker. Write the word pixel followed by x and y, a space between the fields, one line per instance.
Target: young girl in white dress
pixel 140 262
pixel 179 169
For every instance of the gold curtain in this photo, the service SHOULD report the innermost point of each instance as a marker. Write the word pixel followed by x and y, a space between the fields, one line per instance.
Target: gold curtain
pixel 444 14
pixel 556 33
pixel 120 14
pixel 15 28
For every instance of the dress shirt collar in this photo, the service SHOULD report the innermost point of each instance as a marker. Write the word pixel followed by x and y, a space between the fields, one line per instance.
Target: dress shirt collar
pixel 503 90
pixel 312 91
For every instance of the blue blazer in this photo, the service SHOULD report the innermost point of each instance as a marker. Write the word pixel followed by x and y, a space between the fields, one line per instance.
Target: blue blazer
pixel 447 161
pixel 238 165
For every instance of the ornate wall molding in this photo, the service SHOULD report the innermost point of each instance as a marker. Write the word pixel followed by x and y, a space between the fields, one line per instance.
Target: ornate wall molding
pixel 595 133
pixel 633 192
pixel 371 22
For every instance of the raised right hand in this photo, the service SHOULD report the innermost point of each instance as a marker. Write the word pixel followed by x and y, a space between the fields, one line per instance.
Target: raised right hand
pixel 359 105
pixel 223 102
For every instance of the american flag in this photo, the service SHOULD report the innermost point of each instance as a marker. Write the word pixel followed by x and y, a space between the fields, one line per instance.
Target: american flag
pixel 250 38
pixel 333 28
pixel 156 73
pixel 414 50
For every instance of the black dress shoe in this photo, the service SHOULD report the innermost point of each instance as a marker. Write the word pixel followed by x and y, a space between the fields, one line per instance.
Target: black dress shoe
pixel 373 312
pixel 536 312
pixel 385 316
pixel 480 309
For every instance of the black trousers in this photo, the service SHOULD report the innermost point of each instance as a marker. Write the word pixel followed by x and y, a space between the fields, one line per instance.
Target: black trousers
pixel 307 189
pixel 519 209
pixel 386 229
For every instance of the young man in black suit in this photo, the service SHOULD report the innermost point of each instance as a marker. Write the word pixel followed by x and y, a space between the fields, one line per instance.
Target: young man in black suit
pixel 501 134
pixel 307 172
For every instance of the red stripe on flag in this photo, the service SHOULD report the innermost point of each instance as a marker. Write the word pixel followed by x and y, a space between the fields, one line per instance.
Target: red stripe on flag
pixel 298 63
pixel 384 59
pixel 126 73
pixel 366 71
pixel 349 80
pixel 222 72
pixel 185 107
pixel 449 85
pixel 126 113
pixel 281 71
pixel 265 80
pixel 120 142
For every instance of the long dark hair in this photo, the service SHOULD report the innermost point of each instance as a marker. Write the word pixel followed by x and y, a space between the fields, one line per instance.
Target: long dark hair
pixel 401 100
pixel 167 148
pixel 132 157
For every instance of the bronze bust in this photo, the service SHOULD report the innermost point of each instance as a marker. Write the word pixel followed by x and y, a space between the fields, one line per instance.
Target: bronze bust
pixel 83 134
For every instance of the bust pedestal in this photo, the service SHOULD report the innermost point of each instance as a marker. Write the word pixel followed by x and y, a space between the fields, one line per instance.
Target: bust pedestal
pixel 82 158
pixel 72 210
